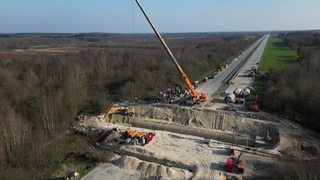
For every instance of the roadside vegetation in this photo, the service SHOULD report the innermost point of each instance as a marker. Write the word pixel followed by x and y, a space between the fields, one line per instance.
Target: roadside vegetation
pixel 277 55
pixel 293 91
pixel 46 80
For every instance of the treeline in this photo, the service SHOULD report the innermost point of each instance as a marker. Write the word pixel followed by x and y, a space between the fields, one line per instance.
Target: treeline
pixel 40 93
pixel 294 91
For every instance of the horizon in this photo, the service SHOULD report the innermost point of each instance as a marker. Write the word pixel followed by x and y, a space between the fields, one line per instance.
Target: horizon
pixel 179 16
pixel 151 33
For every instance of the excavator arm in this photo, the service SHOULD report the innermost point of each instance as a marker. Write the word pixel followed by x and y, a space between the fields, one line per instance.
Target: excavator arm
pixel 173 59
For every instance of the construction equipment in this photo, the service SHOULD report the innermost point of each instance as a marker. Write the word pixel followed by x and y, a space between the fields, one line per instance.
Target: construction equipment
pixel 143 138
pixel 170 95
pixel 149 137
pixel 253 106
pixel 231 151
pixel 125 110
pixel 253 71
pixel 240 164
pixel 229 164
pixel 137 138
pixel 72 175
pixel 194 95
pixel 131 133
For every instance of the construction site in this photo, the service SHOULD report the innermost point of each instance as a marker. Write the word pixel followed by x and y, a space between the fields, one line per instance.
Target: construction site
pixel 176 142
pixel 214 131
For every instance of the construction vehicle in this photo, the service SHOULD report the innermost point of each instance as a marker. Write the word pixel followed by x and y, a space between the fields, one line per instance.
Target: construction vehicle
pixel 195 97
pixel 229 164
pixel 231 151
pixel 72 175
pixel 172 94
pixel 143 138
pixel 253 71
pixel 137 138
pixel 149 137
pixel 129 133
pixel 253 106
pixel 125 110
pixel 240 164
pixel 223 66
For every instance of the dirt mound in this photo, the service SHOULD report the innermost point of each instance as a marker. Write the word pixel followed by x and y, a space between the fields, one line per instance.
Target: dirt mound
pixel 151 170
pixel 111 136
pixel 110 172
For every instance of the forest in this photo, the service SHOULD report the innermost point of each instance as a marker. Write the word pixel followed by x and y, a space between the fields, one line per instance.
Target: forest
pixel 46 80
pixel 293 92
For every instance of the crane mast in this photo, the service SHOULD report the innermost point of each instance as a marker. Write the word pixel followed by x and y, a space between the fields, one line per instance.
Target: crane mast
pixel 173 59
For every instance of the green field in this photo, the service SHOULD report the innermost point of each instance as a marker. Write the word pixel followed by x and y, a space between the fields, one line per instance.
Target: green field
pixel 276 55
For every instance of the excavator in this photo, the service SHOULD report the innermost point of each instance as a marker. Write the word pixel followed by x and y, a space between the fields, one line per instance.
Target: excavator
pixel 195 96
pixel 124 110
pixel 239 164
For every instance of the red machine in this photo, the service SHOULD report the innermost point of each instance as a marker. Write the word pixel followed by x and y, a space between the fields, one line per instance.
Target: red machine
pixel 195 95
pixel 229 164
pixel 254 106
pixel 149 137
pixel 240 164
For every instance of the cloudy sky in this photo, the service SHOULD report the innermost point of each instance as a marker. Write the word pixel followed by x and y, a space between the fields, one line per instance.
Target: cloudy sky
pixel 123 16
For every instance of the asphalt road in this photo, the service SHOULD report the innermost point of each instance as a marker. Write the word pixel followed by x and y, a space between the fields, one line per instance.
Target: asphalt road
pixel 244 61
pixel 243 80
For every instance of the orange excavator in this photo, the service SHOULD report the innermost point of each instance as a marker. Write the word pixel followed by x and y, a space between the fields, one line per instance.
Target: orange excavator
pixel 195 96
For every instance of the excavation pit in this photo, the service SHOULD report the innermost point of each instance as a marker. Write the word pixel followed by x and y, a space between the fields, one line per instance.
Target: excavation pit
pixel 229 127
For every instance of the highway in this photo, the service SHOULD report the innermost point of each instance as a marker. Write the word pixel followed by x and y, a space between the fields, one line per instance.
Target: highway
pixel 241 65
pixel 243 80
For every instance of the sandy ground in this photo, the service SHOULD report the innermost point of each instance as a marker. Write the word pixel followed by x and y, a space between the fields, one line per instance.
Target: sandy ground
pixel 176 156
pixel 109 171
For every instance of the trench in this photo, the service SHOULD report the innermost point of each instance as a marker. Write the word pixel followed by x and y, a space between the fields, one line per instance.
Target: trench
pixel 205 123
pixel 245 140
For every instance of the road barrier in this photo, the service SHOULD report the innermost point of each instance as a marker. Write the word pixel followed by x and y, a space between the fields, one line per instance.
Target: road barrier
pixel 235 72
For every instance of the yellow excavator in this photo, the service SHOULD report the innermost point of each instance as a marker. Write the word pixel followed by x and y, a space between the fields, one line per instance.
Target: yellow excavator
pixel 124 110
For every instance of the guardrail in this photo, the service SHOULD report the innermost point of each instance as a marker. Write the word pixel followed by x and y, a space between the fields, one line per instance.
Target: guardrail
pixel 234 73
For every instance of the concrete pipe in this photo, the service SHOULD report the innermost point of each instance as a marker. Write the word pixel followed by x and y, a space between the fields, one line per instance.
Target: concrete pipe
pixel 209 134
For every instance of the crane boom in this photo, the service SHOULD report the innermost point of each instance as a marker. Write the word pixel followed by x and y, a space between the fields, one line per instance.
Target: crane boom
pixel 173 59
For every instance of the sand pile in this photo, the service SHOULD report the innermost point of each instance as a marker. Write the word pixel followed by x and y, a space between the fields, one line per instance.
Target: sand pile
pixel 109 171
pixel 151 170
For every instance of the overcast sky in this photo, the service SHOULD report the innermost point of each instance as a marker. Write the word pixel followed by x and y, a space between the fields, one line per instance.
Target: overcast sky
pixel 123 16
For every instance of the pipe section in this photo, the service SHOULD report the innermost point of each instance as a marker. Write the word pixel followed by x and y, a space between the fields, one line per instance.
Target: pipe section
pixel 241 140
